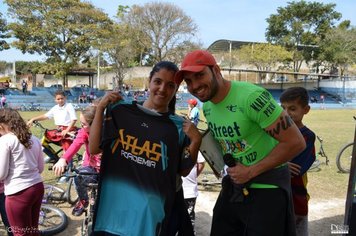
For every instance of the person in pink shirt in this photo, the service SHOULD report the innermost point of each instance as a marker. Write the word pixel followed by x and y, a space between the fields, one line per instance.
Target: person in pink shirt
pixel 21 165
pixel 91 163
pixel 3 101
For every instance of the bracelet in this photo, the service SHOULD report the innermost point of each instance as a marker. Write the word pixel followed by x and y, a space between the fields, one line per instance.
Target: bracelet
pixel 187 153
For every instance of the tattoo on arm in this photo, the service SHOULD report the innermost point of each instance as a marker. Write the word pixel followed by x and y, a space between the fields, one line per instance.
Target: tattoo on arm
pixel 283 124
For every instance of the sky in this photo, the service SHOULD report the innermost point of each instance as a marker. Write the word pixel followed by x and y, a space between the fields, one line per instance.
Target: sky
pixel 242 20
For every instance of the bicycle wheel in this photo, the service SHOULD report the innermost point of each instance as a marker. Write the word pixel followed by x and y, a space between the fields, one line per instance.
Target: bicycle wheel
pixel 343 159
pixel 315 166
pixel 71 194
pixel 53 193
pixel 87 226
pixel 52 220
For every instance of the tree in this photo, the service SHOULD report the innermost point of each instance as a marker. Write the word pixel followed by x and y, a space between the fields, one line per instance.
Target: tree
pixel 3 65
pixel 300 24
pixel 263 56
pixel 159 28
pixel 339 48
pixel 63 31
pixel 121 52
pixel 3 34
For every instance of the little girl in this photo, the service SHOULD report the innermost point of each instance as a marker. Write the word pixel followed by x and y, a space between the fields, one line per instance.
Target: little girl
pixel 21 165
pixel 91 163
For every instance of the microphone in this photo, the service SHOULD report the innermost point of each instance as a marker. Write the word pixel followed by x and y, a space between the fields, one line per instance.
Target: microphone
pixel 230 161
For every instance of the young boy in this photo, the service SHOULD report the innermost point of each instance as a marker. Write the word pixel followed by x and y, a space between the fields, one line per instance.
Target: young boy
pixel 64 117
pixel 295 101
pixel 193 111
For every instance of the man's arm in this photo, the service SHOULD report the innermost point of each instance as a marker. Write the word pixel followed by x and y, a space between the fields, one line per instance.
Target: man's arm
pixel 291 143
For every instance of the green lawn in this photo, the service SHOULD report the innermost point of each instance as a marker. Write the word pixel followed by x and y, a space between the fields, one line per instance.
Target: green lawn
pixel 336 127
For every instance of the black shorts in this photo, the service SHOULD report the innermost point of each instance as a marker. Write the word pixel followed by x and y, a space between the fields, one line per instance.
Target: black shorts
pixel 261 212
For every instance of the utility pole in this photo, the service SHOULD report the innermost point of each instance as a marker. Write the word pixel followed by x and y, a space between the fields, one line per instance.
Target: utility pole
pixel 98 73
pixel 13 80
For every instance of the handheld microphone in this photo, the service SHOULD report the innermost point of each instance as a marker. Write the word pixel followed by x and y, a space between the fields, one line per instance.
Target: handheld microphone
pixel 231 162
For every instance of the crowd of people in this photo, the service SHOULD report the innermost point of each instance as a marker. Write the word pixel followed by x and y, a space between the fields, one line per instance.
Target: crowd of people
pixel 148 157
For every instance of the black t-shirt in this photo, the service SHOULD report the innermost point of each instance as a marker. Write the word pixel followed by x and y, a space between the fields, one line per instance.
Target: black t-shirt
pixel 142 155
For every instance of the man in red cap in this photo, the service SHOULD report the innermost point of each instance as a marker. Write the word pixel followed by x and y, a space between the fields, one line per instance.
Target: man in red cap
pixel 257 138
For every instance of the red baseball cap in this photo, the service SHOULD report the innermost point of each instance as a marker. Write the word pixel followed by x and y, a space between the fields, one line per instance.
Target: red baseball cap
pixel 194 61
pixel 192 101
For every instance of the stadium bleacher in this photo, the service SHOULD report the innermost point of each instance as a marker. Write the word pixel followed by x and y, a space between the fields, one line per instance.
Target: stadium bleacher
pixel 44 97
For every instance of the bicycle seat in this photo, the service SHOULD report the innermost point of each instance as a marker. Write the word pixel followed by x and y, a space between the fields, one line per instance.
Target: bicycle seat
pixel 55 135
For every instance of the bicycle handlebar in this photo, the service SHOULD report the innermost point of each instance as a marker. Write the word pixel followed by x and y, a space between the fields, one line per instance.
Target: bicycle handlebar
pixel 75 170
pixel 38 124
pixel 78 172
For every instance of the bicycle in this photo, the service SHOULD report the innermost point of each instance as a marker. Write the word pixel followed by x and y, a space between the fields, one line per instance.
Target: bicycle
pixel 344 156
pixel 321 153
pixel 52 220
pixel 30 107
pixel 52 136
pixel 87 223
pixel 55 193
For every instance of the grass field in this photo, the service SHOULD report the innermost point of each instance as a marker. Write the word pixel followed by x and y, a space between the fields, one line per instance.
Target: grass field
pixel 336 127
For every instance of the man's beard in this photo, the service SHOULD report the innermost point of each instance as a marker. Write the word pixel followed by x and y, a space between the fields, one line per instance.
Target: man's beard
pixel 213 89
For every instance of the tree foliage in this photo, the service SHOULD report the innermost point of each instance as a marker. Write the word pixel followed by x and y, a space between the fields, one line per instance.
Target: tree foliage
pixel 300 24
pixel 3 65
pixel 3 34
pixel 121 51
pixel 63 31
pixel 339 48
pixel 32 67
pixel 159 28
pixel 263 56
